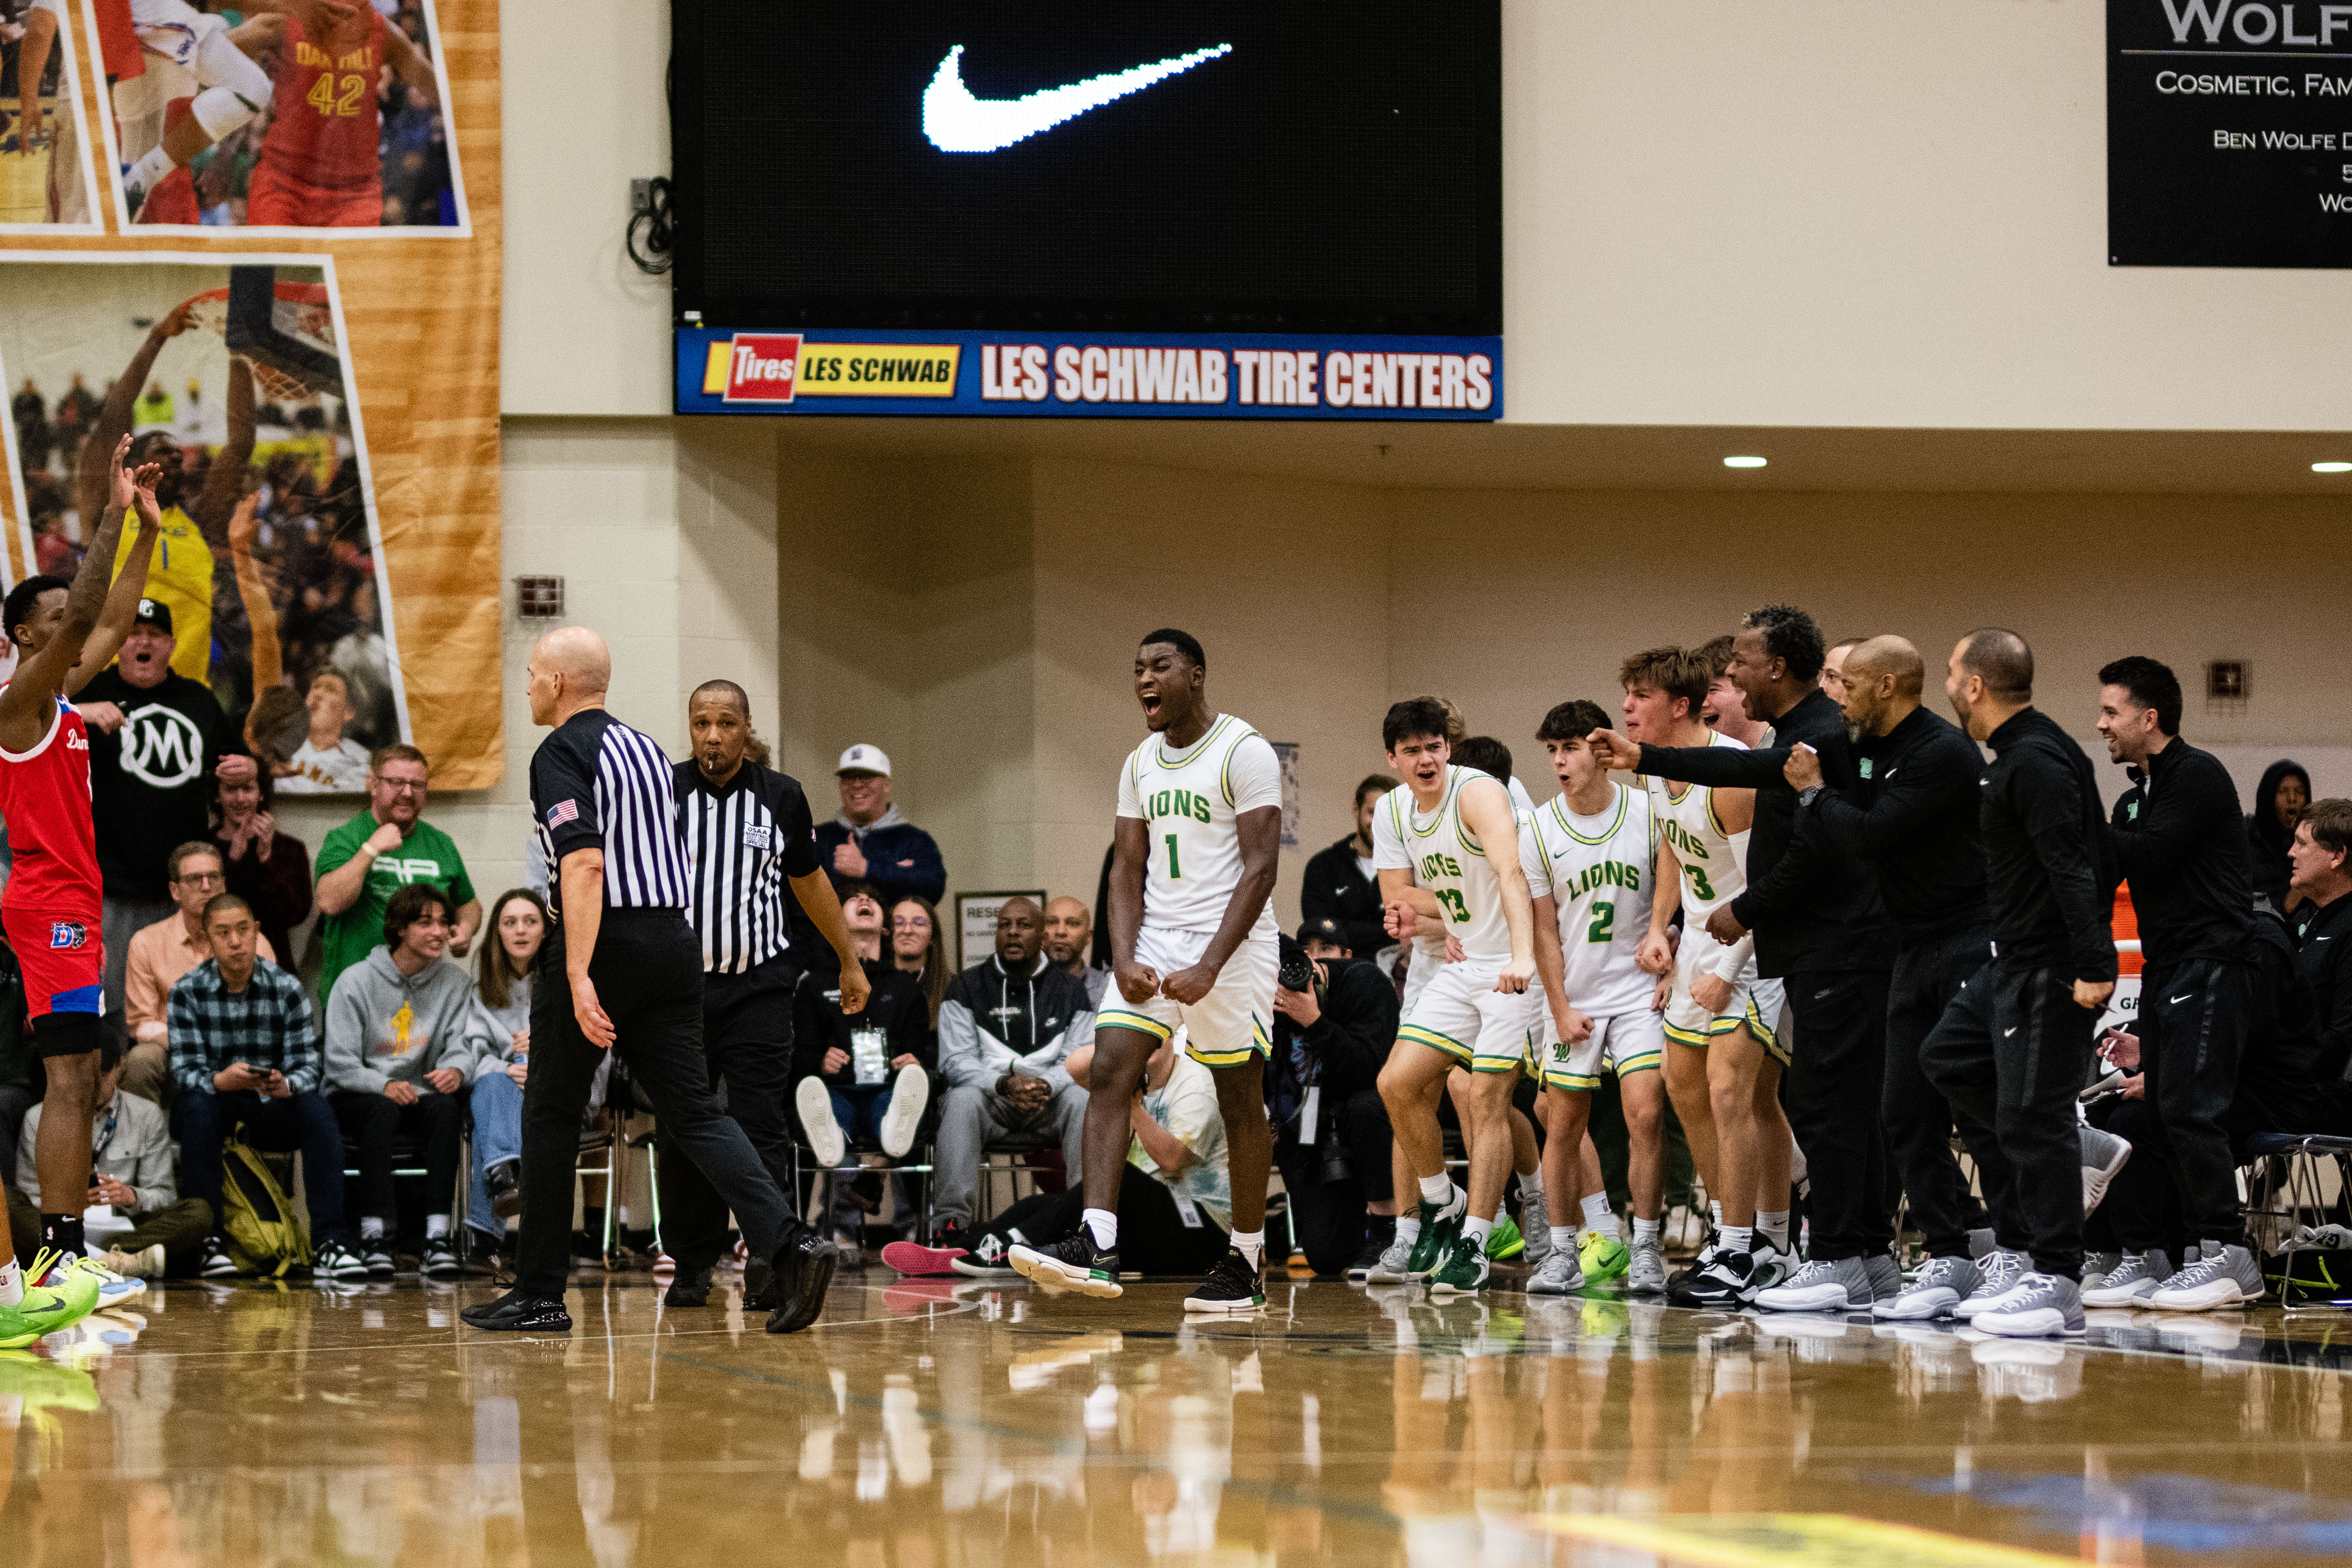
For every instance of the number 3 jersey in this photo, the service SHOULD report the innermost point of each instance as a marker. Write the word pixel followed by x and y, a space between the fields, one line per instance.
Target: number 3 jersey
pixel 1713 867
pixel 1599 871
pixel 1187 801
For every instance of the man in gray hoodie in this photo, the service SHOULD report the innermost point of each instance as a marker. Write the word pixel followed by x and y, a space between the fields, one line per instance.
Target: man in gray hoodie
pixel 398 1062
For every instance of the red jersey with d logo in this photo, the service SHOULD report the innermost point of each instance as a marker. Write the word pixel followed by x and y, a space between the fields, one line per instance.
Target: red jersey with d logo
pixel 52 905
pixel 319 167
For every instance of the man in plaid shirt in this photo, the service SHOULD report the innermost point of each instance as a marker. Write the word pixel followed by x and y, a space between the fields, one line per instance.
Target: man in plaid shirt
pixel 245 1059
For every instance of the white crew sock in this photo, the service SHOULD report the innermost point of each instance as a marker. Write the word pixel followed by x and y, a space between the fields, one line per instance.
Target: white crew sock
pixel 1478 1230
pixel 1597 1215
pixel 149 169
pixel 12 1284
pixel 1408 1229
pixel 1563 1239
pixel 1437 1189
pixel 370 1227
pixel 1715 1213
pixel 1252 1244
pixel 1774 1223
pixel 1739 1237
pixel 436 1226
pixel 1105 1227
pixel 1646 1230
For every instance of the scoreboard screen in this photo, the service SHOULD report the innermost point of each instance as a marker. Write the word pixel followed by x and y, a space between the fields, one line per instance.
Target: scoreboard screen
pixel 1038 166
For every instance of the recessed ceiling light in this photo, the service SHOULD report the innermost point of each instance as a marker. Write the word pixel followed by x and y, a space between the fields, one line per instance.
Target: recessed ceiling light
pixel 1743 462
pixel 2331 468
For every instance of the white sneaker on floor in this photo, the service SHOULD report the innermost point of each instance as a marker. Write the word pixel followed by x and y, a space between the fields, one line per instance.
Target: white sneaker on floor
pixel 1820 1286
pixel 1645 1273
pixel 1559 1274
pixel 2039 1306
pixel 815 1104
pixel 1996 1275
pixel 1395 1264
pixel 1885 1276
pixel 2104 1156
pixel 2223 1277
pixel 1941 1286
pixel 908 1095
pixel 2135 1277
pixel 2096 1267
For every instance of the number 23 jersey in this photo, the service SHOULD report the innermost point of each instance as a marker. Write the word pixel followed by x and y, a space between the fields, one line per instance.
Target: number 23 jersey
pixel 1188 801
pixel 1599 871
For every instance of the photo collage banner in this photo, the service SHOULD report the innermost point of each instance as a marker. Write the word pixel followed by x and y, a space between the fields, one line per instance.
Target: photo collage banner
pixel 263 241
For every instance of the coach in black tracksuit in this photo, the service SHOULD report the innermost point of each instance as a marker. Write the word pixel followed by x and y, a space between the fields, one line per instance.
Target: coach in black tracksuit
pixel 1815 910
pixel 621 970
pixel 1913 817
pixel 2056 955
pixel 2179 838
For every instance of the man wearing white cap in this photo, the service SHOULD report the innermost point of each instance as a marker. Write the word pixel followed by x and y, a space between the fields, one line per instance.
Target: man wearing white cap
pixel 871 843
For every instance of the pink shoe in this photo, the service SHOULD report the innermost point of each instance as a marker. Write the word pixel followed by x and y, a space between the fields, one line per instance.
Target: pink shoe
pixel 913 1258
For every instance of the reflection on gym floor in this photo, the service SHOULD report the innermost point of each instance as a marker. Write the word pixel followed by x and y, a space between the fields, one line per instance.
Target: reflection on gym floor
pixel 934 1424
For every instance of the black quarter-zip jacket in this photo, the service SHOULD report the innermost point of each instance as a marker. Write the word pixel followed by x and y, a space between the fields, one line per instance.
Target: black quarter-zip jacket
pixel 1812 903
pixel 2050 905
pixel 2179 838
pixel 2322 959
pixel 1915 816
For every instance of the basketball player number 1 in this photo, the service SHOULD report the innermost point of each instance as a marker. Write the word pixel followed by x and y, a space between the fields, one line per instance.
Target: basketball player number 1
pixel 1174 874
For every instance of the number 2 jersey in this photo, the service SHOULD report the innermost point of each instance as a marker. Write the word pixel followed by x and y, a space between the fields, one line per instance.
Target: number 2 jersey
pixel 1187 801
pixel 1599 871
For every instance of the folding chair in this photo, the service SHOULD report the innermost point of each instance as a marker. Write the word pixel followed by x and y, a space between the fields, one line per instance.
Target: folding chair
pixel 2285 1183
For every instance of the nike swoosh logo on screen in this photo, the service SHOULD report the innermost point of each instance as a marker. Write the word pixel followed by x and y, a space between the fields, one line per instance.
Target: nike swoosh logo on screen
pixel 956 122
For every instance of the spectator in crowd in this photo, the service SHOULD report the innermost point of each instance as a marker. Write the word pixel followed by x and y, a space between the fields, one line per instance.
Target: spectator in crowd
pixel 1068 930
pixel 1340 884
pixel 1175 1195
pixel 155 410
pixel 1727 705
pixel 1005 1027
pixel 16 1094
pixel 862 1079
pixel 160 954
pixel 2323 876
pixel 499 1040
pixel 329 761
pixel 1331 1142
pixel 398 1063
pixel 870 842
pixel 269 870
pixel 1833 668
pixel 155 736
pixel 918 947
pixel 386 847
pixel 244 1059
pixel 130 1171
pixel 2278 801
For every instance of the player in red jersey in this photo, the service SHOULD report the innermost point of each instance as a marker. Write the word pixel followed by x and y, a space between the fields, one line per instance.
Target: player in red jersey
pixel 64 634
pixel 319 167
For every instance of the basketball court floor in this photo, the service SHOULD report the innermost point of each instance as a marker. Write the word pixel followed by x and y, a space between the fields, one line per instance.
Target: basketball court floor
pixel 934 1424
pixel 24 179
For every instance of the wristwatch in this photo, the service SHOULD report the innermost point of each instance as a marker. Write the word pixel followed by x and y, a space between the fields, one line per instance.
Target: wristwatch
pixel 1805 796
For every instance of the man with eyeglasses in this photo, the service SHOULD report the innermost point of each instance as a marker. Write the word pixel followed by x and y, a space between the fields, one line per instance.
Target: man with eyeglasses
pixel 160 954
pixel 381 850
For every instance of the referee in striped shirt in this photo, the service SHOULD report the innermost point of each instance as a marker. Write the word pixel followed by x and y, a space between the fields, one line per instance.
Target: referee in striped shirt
pixel 747 832
pixel 621 970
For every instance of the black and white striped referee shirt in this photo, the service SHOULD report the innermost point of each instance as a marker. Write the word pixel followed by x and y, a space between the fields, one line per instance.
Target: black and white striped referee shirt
pixel 743 839
pixel 596 784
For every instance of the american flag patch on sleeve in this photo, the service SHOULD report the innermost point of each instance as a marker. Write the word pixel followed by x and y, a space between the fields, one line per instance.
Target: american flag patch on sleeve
pixel 562 811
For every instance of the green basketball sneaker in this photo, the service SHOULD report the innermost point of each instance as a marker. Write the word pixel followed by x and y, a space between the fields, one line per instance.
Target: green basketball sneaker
pixel 1504 1241
pixel 1463 1271
pixel 1603 1256
pixel 56 1296
pixel 1440 1223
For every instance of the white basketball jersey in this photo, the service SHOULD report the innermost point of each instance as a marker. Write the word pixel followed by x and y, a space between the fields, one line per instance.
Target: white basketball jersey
pixel 1714 862
pixel 1599 871
pixel 1453 866
pixel 1187 801
pixel 1389 854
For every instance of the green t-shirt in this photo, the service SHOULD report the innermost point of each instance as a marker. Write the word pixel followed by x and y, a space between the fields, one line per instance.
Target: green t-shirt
pixel 427 855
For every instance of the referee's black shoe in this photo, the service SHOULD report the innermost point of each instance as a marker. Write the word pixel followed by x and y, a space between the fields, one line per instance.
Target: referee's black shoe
pixel 688 1288
pixel 803 1272
pixel 518 1311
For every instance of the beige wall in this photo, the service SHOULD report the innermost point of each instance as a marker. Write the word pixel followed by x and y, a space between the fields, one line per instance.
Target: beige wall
pixel 1804 212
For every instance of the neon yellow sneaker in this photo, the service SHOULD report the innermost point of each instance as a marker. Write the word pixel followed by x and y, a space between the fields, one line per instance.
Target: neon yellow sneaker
pixel 1504 1241
pixel 1603 1256
pixel 57 1296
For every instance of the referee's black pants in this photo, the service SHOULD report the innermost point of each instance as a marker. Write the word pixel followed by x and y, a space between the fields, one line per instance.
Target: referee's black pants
pixel 1832 1096
pixel 747 1048
pixel 1919 1117
pixel 2193 1030
pixel 2016 1067
pixel 647 970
